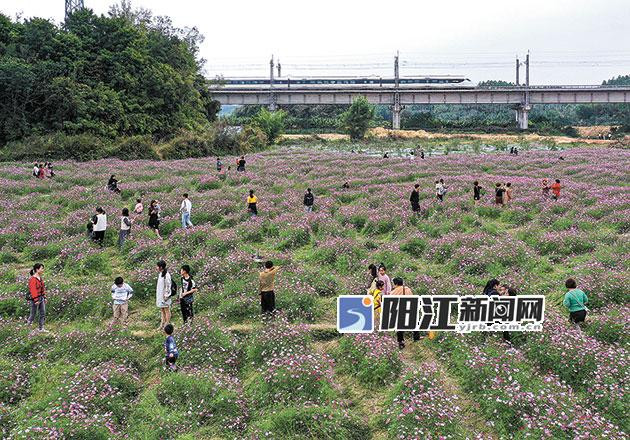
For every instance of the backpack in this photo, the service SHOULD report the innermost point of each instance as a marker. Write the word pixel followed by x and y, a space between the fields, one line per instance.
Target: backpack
pixel 173 288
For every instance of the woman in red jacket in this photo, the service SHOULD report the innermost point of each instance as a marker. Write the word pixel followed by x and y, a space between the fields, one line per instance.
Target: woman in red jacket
pixel 38 295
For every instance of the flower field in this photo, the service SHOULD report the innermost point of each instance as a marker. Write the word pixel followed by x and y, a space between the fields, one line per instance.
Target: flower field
pixel 295 377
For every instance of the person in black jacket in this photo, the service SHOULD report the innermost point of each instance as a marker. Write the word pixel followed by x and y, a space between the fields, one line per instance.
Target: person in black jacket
pixel 309 200
pixel 415 198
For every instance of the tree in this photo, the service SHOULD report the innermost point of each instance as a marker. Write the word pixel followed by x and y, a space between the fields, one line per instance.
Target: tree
pixel 271 123
pixel 356 120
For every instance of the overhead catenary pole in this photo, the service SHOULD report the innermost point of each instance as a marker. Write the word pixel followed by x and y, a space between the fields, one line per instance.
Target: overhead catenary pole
pixel 518 68
pixel 279 68
pixel 272 96
pixel 396 108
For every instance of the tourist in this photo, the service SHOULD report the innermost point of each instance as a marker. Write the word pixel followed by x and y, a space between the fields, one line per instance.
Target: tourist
pixel 185 209
pixel 575 300
pixel 266 287
pixel 186 297
pixel 506 291
pixel 440 189
pixel 219 164
pixel 309 200
pixel 154 217
pixel 386 156
pixel 112 184
pixel 508 192
pixel 373 277
pixel 36 170
pixel 163 292
pixel 121 293
pixel 346 185
pixel 382 275
pixel 491 287
pixel 422 154
pixel 498 194
pixel 100 226
pixel 139 208
pixel 515 151
pixel 476 191
pixel 41 172
pixel 51 172
pixel 401 289
pixel 125 227
pixel 37 297
pixel 414 198
pixel 555 188
pixel 171 348
pixel 377 299
pixel 252 204
pixel 545 188
pixel 240 164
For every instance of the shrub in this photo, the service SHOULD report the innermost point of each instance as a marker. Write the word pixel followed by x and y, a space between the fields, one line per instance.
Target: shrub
pixel 135 147
pixel 373 357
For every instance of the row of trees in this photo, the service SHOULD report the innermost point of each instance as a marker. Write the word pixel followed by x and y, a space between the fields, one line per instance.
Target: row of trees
pixel 127 73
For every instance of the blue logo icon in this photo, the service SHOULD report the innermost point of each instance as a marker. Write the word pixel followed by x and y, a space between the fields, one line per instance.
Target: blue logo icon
pixel 355 314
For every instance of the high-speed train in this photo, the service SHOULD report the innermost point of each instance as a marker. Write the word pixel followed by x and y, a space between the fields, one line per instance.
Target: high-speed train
pixel 414 82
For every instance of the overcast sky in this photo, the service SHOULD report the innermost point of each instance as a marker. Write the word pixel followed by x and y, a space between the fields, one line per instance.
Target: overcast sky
pixel 571 41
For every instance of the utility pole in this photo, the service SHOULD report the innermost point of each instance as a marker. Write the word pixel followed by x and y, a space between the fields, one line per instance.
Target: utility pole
pixel 73 6
pixel 518 68
pixel 279 68
pixel 396 108
pixel 523 110
pixel 272 96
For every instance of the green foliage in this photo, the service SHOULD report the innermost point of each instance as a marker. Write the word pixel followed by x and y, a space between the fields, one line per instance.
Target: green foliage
pixel 100 75
pixel 356 120
pixel 270 123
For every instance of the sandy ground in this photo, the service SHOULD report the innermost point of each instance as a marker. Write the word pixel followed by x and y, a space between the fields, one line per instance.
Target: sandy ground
pixel 421 134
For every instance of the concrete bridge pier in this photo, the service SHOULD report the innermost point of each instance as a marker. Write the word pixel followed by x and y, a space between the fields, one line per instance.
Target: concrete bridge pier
pixel 522 116
pixel 397 109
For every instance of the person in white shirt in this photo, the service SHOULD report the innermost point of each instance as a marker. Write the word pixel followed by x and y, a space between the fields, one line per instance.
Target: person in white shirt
pixel 36 170
pixel 100 225
pixel 125 227
pixel 185 211
pixel 121 293
pixel 440 189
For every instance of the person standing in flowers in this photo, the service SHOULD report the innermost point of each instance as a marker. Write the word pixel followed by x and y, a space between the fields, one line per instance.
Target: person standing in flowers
pixel 476 191
pixel 252 204
pixel 415 198
pixel 545 188
pixel 139 208
pixel 309 201
pixel 401 289
pixel 100 226
pixel 121 293
pixel 382 276
pixel 377 299
pixel 575 300
pixel 555 188
pixel 36 170
pixel 508 192
pixel 498 194
pixel 185 210
pixel 219 164
pixel 37 295
pixel 163 292
pixel 267 280
pixel 373 277
pixel 170 347
pixel 154 217
pixel 186 297
pixel 240 164
pixel 125 227
pixel 440 189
